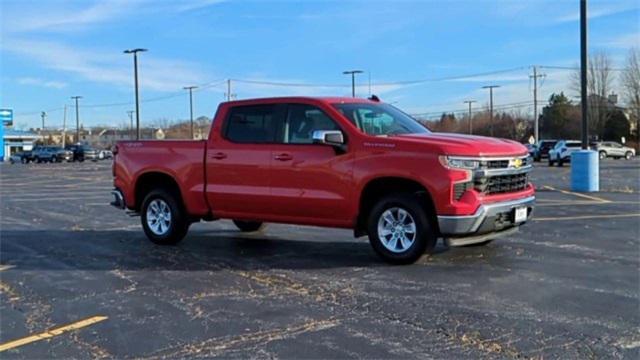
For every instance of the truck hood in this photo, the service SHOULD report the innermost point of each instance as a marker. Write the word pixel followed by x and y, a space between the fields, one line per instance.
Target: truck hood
pixel 467 145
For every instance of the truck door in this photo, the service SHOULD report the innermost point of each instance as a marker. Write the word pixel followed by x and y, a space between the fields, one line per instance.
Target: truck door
pixel 238 161
pixel 309 182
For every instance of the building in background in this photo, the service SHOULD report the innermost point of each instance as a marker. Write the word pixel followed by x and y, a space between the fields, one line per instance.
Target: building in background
pixel 14 141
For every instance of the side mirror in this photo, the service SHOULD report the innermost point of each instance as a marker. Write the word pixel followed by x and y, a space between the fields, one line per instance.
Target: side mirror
pixel 328 137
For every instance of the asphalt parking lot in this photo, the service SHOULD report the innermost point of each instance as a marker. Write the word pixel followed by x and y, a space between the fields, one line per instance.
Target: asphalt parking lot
pixel 566 286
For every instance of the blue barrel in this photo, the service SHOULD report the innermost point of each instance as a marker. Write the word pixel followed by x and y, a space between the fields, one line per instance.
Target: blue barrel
pixel 585 171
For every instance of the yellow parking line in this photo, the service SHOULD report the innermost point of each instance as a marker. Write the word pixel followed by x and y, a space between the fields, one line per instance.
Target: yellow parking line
pixel 605 216
pixel 578 194
pixel 51 333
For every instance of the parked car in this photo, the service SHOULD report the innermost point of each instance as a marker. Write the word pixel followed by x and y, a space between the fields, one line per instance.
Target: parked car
pixel 82 152
pixel 561 152
pixel 105 154
pixel 542 149
pixel 531 149
pixel 613 149
pixel 17 158
pixel 42 154
pixel 51 154
pixel 336 162
pixel 27 156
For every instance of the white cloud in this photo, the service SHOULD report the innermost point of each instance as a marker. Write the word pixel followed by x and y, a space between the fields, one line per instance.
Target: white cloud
pixel 41 82
pixel 107 66
pixel 626 41
pixel 597 11
pixel 68 19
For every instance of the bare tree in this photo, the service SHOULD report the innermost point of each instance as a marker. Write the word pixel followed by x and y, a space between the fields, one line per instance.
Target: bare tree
pixel 600 79
pixel 631 87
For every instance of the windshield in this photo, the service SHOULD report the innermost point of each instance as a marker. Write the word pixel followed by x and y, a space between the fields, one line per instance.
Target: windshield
pixel 380 119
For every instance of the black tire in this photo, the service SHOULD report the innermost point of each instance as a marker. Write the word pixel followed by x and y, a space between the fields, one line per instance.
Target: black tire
pixel 24 161
pixel 179 223
pixel 81 159
pixel 424 238
pixel 249 226
pixel 54 159
pixel 550 162
pixel 602 155
pixel 11 161
pixel 536 159
pixel 628 155
pixel 560 162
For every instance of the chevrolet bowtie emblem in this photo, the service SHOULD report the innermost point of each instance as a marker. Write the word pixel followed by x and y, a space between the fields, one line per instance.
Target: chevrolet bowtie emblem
pixel 516 163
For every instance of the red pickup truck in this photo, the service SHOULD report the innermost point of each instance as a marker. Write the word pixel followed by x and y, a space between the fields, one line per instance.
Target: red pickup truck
pixel 338 162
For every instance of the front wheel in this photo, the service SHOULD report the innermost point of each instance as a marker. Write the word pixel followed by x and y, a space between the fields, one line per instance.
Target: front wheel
pixel 163 217
pixel 560 162
pixel 550 162
pixel 399 229
pixel 249 226
pixel 628 155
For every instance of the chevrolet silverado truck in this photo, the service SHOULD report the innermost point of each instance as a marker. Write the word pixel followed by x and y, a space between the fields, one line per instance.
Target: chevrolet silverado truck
pixel 349 163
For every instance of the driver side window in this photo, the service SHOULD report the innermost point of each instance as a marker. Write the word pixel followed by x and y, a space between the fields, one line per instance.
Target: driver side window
pixel 302 120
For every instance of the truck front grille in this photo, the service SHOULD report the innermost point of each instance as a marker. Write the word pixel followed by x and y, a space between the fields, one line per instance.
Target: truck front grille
pixel 501 184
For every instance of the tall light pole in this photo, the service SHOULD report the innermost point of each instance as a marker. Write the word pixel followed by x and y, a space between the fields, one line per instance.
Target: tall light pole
pixel 491 87
pixel 470 125
pixel 77 118
pixel 130 113
pixel 583 73
pixel 190 88
pixel 353 80
pixel 135 75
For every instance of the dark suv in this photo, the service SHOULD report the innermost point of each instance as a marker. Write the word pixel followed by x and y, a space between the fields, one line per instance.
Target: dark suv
pixel 542 149
pixel 83 152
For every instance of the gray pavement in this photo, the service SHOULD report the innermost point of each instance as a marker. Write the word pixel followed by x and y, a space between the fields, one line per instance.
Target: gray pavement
pixel 566 286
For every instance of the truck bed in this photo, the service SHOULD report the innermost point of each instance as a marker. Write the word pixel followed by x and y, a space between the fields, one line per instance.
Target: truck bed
pixel 183 160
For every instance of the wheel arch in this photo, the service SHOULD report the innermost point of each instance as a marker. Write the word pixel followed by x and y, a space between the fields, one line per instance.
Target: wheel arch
pixel 376 188
pixel 150 180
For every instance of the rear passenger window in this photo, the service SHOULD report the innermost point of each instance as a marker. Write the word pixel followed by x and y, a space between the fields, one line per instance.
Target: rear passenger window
pixel 253 124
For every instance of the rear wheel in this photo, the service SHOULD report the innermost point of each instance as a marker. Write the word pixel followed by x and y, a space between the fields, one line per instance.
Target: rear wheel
pixel 249 226
pixel 399 229
pixel 550 161
pixel 163 218
pixel 628 155
pixel 560 162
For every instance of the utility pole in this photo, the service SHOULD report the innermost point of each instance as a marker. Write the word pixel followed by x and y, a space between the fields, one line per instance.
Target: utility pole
pixel 130 113
pixel 64 127
pixel 77 118
pixel 536 127
pixel 190 88
pixel 229 94
pixel 135 75
pixel 43 115
pixel 491 87
pixel 470 124
pixel 353 79
pixel 583 73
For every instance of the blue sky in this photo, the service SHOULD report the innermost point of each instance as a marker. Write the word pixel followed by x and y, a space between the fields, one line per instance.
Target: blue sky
pixel 51 50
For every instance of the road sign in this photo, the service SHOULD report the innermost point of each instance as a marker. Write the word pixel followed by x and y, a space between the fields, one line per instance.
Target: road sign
pixel 6 115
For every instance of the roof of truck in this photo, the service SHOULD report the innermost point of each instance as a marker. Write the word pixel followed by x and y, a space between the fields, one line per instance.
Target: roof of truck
pixel 326 99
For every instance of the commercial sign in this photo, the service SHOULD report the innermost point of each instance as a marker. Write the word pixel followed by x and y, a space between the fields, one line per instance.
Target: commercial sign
pixel 6 115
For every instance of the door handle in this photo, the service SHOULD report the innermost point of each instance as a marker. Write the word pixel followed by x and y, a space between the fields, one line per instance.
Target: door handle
pixel 283 157
pixel 219 156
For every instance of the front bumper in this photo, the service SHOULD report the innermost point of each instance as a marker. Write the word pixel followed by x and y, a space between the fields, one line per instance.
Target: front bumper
pixel 488 221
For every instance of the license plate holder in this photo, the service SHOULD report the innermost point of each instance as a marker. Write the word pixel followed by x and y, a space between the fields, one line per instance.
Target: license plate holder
pixel 520 214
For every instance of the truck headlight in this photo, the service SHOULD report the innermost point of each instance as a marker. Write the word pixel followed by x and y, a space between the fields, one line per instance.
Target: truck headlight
pixel 453 162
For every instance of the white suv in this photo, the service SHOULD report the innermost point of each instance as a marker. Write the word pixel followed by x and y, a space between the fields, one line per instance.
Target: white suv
pixel 561 153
